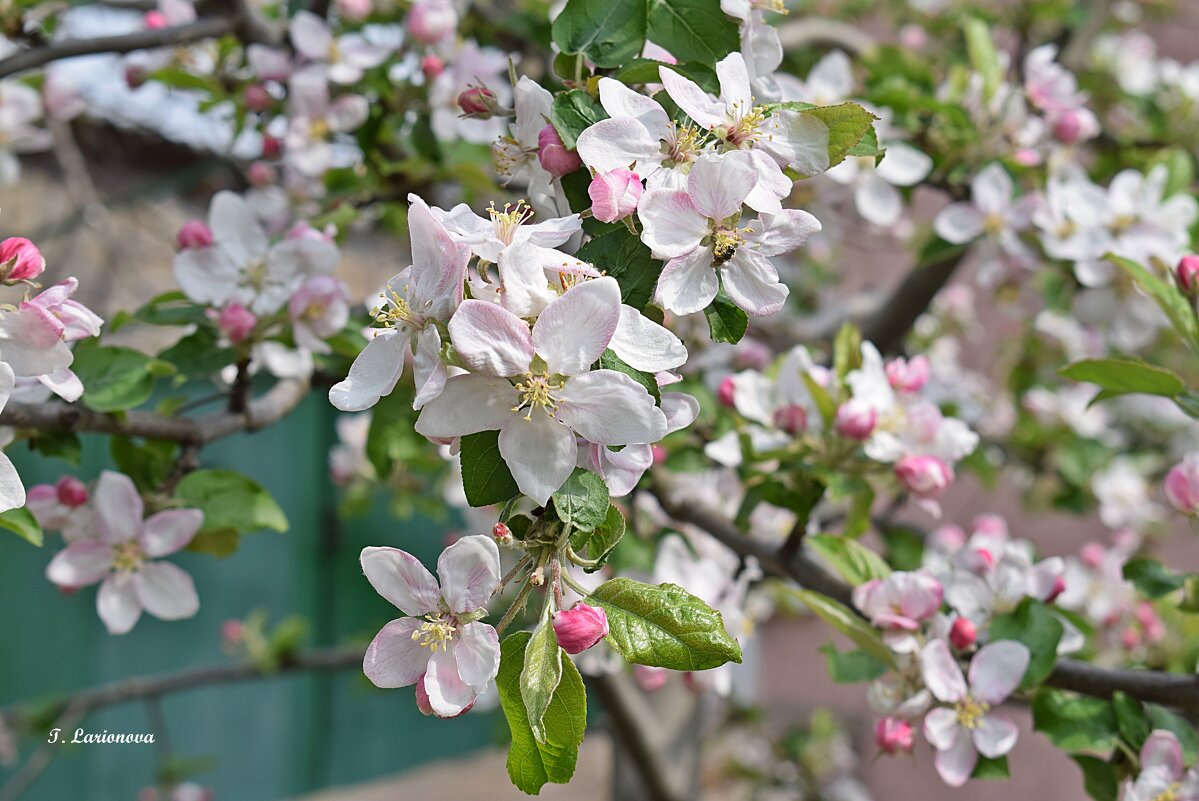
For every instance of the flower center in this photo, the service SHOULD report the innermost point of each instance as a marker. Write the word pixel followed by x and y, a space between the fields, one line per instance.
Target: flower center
pixel 993 224
pixel 1122 223
pixel 319 129
pixel 777 6
pixel 970 711
pixel 507 221
pixel 507 156
pixel 537 391
pixel 1171 793
pixel 745 128
pixel 684 146
pixel 724 244
pixel 127 556
pixel 396 311
pixel 435 633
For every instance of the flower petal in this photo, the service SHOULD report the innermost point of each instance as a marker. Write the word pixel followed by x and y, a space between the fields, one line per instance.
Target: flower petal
pixel 621 101
pixel 688 283
pixel 477 652
pixel 394 659
pixel 995 736
pixel 941 672
pixel 469 571
pixel 467 405
pixel 753 283
pixel 401 578
pixel 997 669
pixel 617 143
pixel 958 223
pixel 80 564
pixel 116 508
pixel 956 763
pixel 718 185
pixel 374 372
pixel 448 694
pixel 170 530
pixel 117 603
pixel 690 98
pixel 540 452
pixel 671 224
pixel 12 491
pixel 166 591
pixel 643 344
pixel 1162 749
pixel 573 331
pixel 490 339
pixel 610 408
pixel 941 727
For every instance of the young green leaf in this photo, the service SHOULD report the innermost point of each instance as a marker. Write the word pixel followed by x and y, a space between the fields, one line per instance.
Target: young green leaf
pixel 541 674
pixel 726 321
pixel 485 477
pixel 1124 376
pixel 842 618
pixel 582 502
pixel 230 500
pixel 22 523
pixel 851 667
pixel 1075 722
pixel 622 255
pixel 852 560
pixel 608 32
pixel 692 30
pixel 597 545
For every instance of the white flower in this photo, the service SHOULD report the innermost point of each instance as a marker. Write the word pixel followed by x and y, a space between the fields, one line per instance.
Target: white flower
pixel 346 57
pixel 20 107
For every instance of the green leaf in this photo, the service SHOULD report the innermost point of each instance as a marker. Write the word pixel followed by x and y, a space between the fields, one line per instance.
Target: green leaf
pixel 1131 719
pixel 574 112
pixel 988 768
pixel 726 321
pixel 622 255
pixel 905 547
pixel 848 124
pixel 531 764
pixel 1099 777
pixel 22 523
pixel 169 308
pixel 114 379
pixel 198 354
pixel 663 626
pixel 148 463
pixel 230 500
pixel 842 618
pixel 610 361
pixel 1171 301
pixel 852 560
pixel 1124 376
pixel 221 543
pixel 851 667
pixel 1152 579
pixel 582 502
pixel 597 545
pixel 485 477
pixel 541 674
pixel 824 402
pixel 1075 722
pixel 847 350
pixel 64 445
pixel 693 30
pixel 1162 718
pixel 646 70
pixel 1034 625
pixel 390 432
pixel 608 32
pixel 983 55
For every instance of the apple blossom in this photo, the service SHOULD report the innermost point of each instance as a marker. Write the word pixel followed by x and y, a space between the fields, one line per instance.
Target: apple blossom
pixel 1182 485
pixel 431 21
pixel 580 627
pixel 924 476
pixel 856 419
pixel 20 260
pixel 908 375
pixel 441 642
pixel 314 121
pixel 967 727
pixel 505 227
pixel 236 323
pixel 122 552
pixel 318 310
pixel 1163 773
pixel 553 155
pixel 20 108
pixel 471 67
pixel 899 604
pixel 614 194
pixel 345 57
pixel 61 506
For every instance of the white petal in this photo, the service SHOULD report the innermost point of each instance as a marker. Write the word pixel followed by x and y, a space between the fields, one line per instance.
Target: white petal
pixel 941 727
pixel 958 223
pixel 695 101
pixel 995 736
pixel 718 185
pixel 540 452
pixel 401 578
pixel 394 659
pixel 428 370
pixel 799 141
pixel 117 604
pixel 448 694
pixel 573 331
pixel 166 591
pixel 170 530
pixel 235 229
pixel 645 345
pixel 877 201
pixel 753 283
pixel 621 101
pixel 680 409
pixel 525 290
pixel 490 339
pixel 776 234
pixel 671 224
pixel 734 83
pixel 1162 750
pixel 615 143
pixel 997 670
pixel 374 372
pixel 941 672
pixel 12 491
pixel 688 283
pixel 116 508
pixel 467 405
pixel 206 275
pixel 469 571
pixel 904 165
pixel 956 763
pixel 477 652
pixel 610 408
pixel 991 190
pixel 80 564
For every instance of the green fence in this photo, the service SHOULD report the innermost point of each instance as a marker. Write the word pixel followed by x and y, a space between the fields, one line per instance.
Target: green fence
pixel 268 739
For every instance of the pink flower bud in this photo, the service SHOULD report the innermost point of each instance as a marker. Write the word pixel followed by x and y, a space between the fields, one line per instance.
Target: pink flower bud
pixel 580 627
pixel 1182 485
pixel 992 525
pixel 1028 157
pixel 924 476
pixel 258 98
pixel 1092 554
pixel 155 20
pixel 431 66
pixel 1059 586
pixel 71 491
pixel 236 322
pixel 650 678
pixel 259 173
pixel 431 21
pixel 502 533
pixel 791 418
pixel 135 75
pixel 354 10
pixel 478 102
pixel 855 420
pixel 948 537
pixel 194 234
pixel 894 735
pixel 272 146
pixel 725 393
pixel 913 36
pixel 908 375
pixel 20 260
pixel 659 453
pixel 553 155
pixel 963 633
pixel 614 194
pixel 1130 638
pixel 1068 128
pixel 1188 273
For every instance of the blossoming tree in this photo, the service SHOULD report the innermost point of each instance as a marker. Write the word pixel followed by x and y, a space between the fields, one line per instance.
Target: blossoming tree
pixel 619 340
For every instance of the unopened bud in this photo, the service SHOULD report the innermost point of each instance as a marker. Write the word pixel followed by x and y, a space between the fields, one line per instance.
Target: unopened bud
pixel 236 322
pixel 478 102
pixel 502 533
pixel 1181 485
pixel 894 735
pixel 194 234
pixel 791 418
pixel 553 154
pixel 155 20
pixel 580 627
pixel 908 375
pixel 963 633
pixel 1188 274
pixel 725 393
pixel 71 491
pixel 856 420
pixel 258 98
pixel 20 260
pixel 431 66
pixel 925 476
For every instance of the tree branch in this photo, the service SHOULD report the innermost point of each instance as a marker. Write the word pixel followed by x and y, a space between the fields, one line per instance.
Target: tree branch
pixel 630 736
pixel 271 407
pixel 888 326
pixel 1170 689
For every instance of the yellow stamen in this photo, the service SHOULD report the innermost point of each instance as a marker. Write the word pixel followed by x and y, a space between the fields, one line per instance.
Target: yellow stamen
pixel 127 555
pixel 537 391
pixel 970 711
pixel 436 632
pixel 507 221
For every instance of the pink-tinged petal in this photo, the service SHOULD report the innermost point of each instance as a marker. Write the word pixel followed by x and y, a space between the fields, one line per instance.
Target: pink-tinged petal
pixel 166 591
pixel 688 283
pixel 428 370
pixel 877 201
pixel 941 727
pixel 941 672
pixel 469 571
pixel 394 659
pixel 610 408
pixel 540 452
pixel 995 736
pixel 718 185
pixel 31 341
pixel 117 604
pixel 477 651
pixel 8 381
pixel 573 331
pixel 864 596
pixel 643 344
pixel 373 374
pixel 169 531
pixel 621 101
pixel 401 578
pixel 695 101
pixel 468 404
pixel 734 83
pixel 680 410
pixel 206 275
pixel 621 470
pixel 235 229
pixel 617 143
pixel 12 491
pixel 448 694
pixel 348 112
pixel 80 564
pixel 490 339
pixel 310 35
pixel 550 233
pixel 671 224
pixel 1162 750
pixel 753 283
pixel 438 262
pixel 116 508
pixel 956 763
pixel 991 190
pixel 958 223
pixel 772 184
pixel 63 383
pixel 525 290
pixel 997 669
